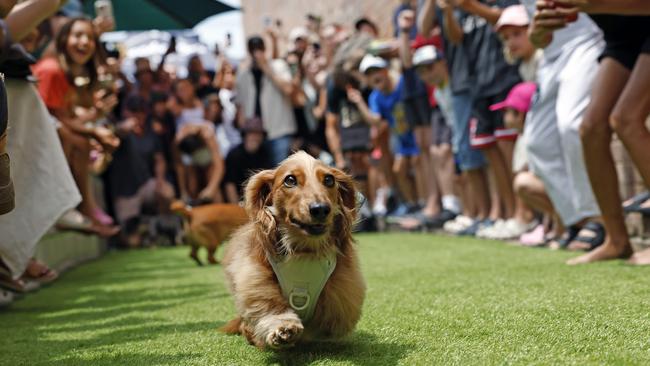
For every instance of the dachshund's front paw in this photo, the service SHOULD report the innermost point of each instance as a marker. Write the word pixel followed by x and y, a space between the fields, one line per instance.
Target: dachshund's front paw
pixel 285 335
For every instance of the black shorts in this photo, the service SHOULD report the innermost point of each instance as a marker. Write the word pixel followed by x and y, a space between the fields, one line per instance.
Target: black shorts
pixel 486 126
pixel 440 130
pixel 356 138
pixel 418 110
pixel 626 37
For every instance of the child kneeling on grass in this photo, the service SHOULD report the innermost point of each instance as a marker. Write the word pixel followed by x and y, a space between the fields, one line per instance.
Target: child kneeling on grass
pixel 528 187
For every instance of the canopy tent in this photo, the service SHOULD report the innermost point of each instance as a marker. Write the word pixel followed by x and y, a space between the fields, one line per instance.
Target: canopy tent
pixel 161 14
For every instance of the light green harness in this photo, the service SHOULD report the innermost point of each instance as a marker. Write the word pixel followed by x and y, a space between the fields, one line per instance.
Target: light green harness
pixel 302 280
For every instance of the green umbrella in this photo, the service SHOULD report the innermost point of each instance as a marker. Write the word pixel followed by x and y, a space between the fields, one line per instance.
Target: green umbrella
pixel 161 14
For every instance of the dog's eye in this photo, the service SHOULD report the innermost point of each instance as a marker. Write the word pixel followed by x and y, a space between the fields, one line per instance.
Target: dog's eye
pixel 290 181
pixel 328 181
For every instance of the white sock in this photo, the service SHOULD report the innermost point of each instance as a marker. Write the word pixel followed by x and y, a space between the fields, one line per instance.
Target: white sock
pixel 451 203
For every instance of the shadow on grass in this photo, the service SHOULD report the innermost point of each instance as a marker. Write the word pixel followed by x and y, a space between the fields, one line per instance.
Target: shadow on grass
pixel 97 308
pixel 128 358
pixel 361 348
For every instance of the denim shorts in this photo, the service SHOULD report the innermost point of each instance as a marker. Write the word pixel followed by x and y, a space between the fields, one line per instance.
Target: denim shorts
pixel 468 158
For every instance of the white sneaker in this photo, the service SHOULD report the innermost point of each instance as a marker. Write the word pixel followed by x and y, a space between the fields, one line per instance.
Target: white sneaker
pixel 458 224
pixel 511 229
pixel 484 232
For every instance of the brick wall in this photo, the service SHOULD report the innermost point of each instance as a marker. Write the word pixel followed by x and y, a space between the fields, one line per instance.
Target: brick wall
pixel 292 13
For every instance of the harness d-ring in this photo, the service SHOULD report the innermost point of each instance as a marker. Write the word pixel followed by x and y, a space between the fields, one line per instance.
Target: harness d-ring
pixel 295 295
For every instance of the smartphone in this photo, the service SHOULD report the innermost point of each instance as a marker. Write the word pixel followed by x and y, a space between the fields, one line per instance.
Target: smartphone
pixel 104 8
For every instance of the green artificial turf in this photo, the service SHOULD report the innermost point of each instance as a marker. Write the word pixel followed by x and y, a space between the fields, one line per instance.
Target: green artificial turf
pixel 431 300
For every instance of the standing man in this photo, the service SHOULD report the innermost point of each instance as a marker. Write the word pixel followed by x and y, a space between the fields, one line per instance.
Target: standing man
pixel 264 90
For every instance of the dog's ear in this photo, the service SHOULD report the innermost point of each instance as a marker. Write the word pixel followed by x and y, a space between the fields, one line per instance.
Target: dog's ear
pixel 257 194
pixel 347 188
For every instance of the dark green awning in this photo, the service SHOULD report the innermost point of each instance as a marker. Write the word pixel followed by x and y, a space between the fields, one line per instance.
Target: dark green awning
pixel 133 15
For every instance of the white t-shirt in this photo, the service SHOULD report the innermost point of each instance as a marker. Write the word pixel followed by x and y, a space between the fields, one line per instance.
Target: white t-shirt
pixel 228 135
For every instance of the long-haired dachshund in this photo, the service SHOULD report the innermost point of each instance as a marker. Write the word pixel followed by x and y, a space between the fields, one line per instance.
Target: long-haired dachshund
pixel 293 269
pixel 208 226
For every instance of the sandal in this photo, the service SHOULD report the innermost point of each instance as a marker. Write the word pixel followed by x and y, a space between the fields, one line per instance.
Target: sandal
pixel 592 235
pixel 18 286
pixel 636 202
pixel 39 272
pixel 74 220
pixel 563 241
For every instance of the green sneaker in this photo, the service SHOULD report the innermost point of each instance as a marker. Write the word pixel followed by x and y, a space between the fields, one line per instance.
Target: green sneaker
pixel 7 195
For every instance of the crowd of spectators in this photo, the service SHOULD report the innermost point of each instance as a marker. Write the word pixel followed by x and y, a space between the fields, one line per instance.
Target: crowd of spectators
pixel 483 118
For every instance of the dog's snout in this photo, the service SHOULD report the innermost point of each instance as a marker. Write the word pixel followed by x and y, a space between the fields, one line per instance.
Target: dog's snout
pixel 319 211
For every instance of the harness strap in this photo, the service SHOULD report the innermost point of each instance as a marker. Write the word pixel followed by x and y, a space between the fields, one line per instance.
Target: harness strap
pixel 302 280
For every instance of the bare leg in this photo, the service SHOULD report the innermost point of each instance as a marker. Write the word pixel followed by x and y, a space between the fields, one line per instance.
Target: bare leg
pixel 478 192
pixel 359 167
pixel 628 120
pixel 532 192
pixel 400 169
pixel 425 169
pixel 496 212
pixel 445 168
pixel 192 181
pixel 596 138
pixel 470 208
pixel 78 153
pixel 502 176
pixel 507 148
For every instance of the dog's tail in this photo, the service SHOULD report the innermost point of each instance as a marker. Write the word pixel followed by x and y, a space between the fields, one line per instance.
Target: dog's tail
pixel 181 209
pixel 232 327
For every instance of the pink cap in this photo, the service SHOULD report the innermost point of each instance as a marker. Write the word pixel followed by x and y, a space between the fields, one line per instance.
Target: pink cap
pixel 519 98
pixel 513 15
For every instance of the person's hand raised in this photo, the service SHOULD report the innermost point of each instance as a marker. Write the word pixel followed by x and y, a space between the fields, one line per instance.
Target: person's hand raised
pixel 104 24
pixel 106 138
pixel 354 95
pixel 445 4
pixel 105 101
pixel 547 19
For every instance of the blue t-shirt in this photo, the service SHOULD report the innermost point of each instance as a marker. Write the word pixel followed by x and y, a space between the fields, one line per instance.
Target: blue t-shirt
pixel 391 108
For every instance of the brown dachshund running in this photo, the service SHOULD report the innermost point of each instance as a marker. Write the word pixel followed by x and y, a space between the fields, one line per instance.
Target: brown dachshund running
pixel 209 226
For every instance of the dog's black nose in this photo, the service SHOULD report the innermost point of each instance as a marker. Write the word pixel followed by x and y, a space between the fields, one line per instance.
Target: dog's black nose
pixel 319 211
